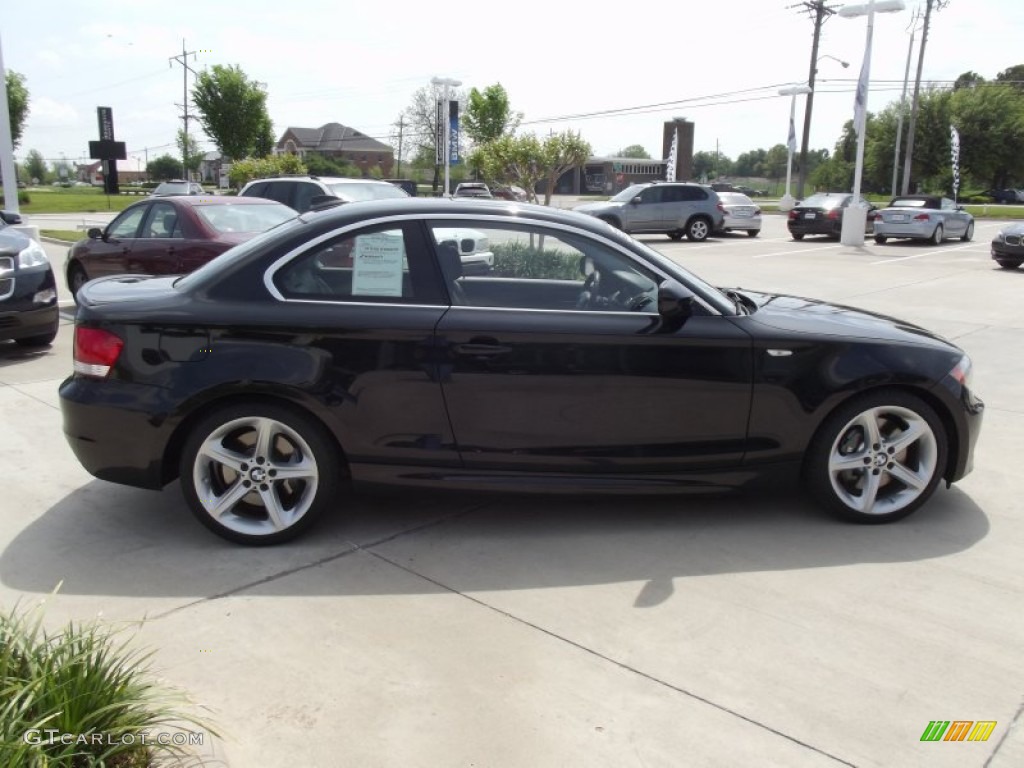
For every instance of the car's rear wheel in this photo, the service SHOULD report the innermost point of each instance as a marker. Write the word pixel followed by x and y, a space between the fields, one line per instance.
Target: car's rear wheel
pixel 797 235
pixel 675 235
pixel 753 232
pixel 1009 263
pixel 258 473
pixel 937 235
pixel 877 458
pixel 698 229
pixel 969 233
pixel 881 239
pixel 76 279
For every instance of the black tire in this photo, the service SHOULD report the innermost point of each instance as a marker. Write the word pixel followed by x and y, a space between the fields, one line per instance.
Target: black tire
pixel 76 279
pixel 968 233
pixel 675 235
pixel 797 236
pixel 937 235
pixel 1009 263
pixel 42 340
pixel 881 239
pixel 842 439
pixel 292 437
pixel 753 232
pixel 697 229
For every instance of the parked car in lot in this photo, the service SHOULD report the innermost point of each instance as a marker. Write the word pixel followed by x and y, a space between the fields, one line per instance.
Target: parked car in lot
pixel 169 236
pixel 28 290
pixel 509 192
pixel 473 189
pixel 672 208
pixel 303 192
pixel 178 187
pixel 590 363
pixel 1008 246
pixel 923 217
pixel 1006 196
pixel 822 214
pixel 741 214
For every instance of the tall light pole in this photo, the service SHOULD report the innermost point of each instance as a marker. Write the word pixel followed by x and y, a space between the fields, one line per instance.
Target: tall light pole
pixel 855 216
pixel 446 83
pixel 786 202
pixel 903 103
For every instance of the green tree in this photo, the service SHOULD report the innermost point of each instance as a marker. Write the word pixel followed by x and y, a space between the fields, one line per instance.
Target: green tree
pixel 262 167
pixel 488 115
pixel 634 150
pixel 990 121
pixel 1013 76
pixel 189 147
pixel 232 109
pixel 832 175
pixel 561 152
pixel 17 104
pixel 163 168
pixel 265 141
pixel 527 160
pixel 968 79
pixel 749 163
pixel 327 166
pixel 703 165
pixel 35 166
pixel 774 164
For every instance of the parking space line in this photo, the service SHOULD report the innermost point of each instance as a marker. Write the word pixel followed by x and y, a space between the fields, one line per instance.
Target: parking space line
pixel 800 250
pixel 926 253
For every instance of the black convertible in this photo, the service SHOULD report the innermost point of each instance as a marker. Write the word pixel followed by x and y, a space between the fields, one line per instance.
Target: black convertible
pixel 346 346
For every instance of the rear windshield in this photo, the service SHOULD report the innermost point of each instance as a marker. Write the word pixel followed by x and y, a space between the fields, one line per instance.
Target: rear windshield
pixel 235 217
pixel 823 201
pixel 732 198
pixel 356 192
pixel 211 269
pixel 906 202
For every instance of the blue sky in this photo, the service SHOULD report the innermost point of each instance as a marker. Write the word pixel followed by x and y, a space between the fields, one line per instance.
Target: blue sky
pixel 359 63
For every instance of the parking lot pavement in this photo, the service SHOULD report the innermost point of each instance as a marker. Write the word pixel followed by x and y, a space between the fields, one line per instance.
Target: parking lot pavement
pixel 427 630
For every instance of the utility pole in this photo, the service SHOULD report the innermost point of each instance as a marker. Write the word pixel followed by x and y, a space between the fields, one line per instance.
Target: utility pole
pixel 401 125
pixel 903 105
pixel 185 69
pixel 909 158
pixel 819 12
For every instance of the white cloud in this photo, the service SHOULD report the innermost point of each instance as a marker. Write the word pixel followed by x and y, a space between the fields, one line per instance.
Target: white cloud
pixel 47 113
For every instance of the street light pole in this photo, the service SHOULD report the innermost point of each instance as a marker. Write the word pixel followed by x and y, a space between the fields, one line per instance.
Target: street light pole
pixel 855 215
pixel 786 202
pixel 447 83
pixel 899 120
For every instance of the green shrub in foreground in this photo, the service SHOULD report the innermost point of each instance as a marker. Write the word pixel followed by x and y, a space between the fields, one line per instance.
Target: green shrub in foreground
pixel 83 681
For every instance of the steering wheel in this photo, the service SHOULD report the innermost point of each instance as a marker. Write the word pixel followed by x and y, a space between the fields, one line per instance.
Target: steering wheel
pixel 589 292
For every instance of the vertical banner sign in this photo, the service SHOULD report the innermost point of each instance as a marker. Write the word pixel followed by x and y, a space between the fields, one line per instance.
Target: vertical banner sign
pixel 673 153
pixel 105 115
pixel 453 132
pixel 860 100
pixel 954 156
pixel 439 137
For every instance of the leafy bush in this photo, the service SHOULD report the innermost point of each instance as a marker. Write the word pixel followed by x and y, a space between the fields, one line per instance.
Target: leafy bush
pixel 86 683
pixel 251 168
pixel 530 261
pixel 23 198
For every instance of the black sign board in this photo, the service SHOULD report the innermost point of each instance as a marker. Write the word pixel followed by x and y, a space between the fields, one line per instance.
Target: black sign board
pixel 106 120
pixel 107 150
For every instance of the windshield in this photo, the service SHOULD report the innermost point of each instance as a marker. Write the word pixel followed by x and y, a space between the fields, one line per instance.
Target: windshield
pixel 172 188
pixel 629 193
pixel 732 198
pixel 823 201
pixel 904 202
pixel 234 217
pixel 213 268
pixel 353 193
pixel 712 295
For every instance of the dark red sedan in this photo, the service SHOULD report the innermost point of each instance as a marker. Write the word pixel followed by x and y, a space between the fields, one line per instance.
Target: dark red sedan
pixel 170 236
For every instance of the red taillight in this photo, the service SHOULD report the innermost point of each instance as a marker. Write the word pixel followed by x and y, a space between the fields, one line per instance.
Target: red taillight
pixel 722 208
pixel 757 211
pixel 921 217
pixel 833 214
pixel 96 351
pixel 793 214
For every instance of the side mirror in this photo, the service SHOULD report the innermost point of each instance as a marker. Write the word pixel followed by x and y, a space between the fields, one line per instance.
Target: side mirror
pixel 94 233
pixel 675 304
pixel 635 201
pixel 9 217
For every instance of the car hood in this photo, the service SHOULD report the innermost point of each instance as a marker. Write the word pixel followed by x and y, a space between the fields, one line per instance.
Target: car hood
pixel 125 288
pixel 596 207
pixel 1013 229
pixel 798 315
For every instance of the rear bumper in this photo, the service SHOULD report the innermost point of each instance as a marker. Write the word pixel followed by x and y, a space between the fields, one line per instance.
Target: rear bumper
pixel 921 231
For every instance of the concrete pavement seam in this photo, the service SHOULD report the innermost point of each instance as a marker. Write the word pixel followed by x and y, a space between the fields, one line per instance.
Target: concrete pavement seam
pixel 608 659
pixel 1006 734
pixel 307 566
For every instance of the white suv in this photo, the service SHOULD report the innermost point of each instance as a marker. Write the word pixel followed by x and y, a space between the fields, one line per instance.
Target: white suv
pixel 302 192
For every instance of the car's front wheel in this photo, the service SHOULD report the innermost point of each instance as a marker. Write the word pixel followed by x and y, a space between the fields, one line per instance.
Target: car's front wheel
pixel 881 239
pixel 1009 263
pixel 753 232
pixel 969 233
pixel 937 235
pixel 76 279
pixel 797 235
pixel 258 473
pixel 877 458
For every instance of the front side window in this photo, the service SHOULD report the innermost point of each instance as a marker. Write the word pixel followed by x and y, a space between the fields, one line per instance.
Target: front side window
pixel 532 267
pixel 372 265
pixel 629 193
pixel 127 224
pixel 162 222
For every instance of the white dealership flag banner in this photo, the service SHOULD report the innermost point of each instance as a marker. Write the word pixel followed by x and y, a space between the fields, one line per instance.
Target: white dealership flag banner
pixel 791 143
pixel 954 156
pixel 670 166
pixel 860 101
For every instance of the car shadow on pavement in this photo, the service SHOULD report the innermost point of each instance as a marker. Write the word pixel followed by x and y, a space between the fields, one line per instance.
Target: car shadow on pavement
pixel 104 539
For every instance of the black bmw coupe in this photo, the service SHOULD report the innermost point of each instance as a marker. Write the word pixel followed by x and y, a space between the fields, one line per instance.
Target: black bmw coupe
pixel 346 346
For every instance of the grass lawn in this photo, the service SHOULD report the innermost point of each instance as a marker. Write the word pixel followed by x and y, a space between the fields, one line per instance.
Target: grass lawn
pixel 74 200
pixel 70 235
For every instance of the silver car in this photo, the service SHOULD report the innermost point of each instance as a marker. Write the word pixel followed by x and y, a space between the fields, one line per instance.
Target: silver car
pixel 741 213
pixel 923 217
pixel 674 208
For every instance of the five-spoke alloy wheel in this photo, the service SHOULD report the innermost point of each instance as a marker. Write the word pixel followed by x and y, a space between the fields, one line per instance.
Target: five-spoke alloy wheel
pixel 258 473
pixel 878 457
